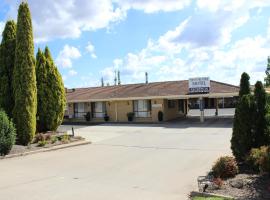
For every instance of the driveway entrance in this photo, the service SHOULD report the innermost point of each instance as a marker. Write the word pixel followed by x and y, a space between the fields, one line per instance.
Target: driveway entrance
pixel 134 162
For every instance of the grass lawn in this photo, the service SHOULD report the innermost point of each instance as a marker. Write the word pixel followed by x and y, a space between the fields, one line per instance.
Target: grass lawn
pixel 209 198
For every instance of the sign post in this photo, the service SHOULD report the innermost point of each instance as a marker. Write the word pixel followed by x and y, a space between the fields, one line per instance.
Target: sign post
pixel 201 110
pixel 200 85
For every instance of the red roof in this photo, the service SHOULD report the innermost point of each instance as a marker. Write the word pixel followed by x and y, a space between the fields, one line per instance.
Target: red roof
pixel 155 89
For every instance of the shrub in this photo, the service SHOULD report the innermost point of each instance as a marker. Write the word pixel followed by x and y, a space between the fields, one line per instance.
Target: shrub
pixel 7 134
pixel 42 143
pixel 106 118
pixel 42 137
pixel 130 116
pixel 160 116
pixel 259 159
pixel 225 167
pixel 88 116
pixel 218 182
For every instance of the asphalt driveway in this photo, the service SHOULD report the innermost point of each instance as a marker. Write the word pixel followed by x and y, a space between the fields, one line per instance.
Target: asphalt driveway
pixel 125 162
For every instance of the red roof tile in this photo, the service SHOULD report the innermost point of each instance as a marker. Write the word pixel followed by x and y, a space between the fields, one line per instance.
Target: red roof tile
pixel 155 89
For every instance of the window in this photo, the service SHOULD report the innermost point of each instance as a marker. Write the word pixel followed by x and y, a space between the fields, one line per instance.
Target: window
pixel 98 109
pixel 79 110
pixel 171 103
pixel 181 105
pixel 142 108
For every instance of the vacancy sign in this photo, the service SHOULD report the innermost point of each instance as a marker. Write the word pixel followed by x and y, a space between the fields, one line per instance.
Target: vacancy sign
pixel 199 85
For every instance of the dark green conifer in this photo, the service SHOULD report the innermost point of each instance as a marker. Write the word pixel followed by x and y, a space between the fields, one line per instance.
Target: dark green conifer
pixel 24 80
pixel 51 93
pixel 7 57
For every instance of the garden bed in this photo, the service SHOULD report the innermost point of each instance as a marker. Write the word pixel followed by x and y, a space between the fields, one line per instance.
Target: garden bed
pixel 43 142
pixel 245 187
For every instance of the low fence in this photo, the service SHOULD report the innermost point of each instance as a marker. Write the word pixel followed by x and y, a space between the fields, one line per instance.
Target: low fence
pixel 212 112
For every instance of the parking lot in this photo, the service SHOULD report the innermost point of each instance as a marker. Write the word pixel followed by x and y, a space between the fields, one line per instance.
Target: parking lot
pixel 134 162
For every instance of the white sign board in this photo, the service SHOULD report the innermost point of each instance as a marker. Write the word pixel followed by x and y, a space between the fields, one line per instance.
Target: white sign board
pixel 199 85
pixel 156 105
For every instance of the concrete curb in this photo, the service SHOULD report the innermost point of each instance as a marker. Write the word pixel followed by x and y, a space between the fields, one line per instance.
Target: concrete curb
pixel 205 194
pixel 53 148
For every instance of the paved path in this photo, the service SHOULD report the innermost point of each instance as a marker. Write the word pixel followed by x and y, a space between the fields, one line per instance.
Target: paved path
pixel 125 162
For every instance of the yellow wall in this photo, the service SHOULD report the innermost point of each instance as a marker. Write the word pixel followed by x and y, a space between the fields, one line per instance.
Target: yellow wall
pixel 124 107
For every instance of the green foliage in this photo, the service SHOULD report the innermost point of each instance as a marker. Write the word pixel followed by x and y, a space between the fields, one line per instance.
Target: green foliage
pixel 7 57
pixel 88 116
pixel 261 136
pixel 42 143
pixel 259 159
pixel 7 134
pixel 130 116
pixel 160 116
pixel 267 72
pixel 225 167
pixel 242 137
pixel 51 93
pixel 24 80
pixel 244 85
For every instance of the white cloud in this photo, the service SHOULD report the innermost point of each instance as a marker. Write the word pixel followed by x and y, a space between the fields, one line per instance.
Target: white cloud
pixel 228 5
pixel 2 26
pixel 151 6
pixel 72 73
pixel 91 49
pixel 65 57
pixel 68 18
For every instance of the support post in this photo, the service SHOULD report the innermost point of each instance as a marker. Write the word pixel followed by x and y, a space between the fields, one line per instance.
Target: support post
pixel 116 111
pixel 216 107
pixel 202 110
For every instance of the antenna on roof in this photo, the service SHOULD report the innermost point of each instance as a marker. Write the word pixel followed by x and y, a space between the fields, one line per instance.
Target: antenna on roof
pixel 115 79
pixel 102 82
pixel 146 77
pixel 118 76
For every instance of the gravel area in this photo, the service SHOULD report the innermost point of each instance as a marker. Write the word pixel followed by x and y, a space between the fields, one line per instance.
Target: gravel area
pixel 246 187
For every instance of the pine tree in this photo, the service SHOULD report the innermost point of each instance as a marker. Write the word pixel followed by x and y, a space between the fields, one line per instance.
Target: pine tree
pixel 267 72
pixel 260 122
pixel 244 84
pixel 51 93
pixel 24 81
pixel 242 137
pixel 7 57
pixel 242 124
pixel 42 94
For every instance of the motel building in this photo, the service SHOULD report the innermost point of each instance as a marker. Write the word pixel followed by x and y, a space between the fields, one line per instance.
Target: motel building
pixel 196 97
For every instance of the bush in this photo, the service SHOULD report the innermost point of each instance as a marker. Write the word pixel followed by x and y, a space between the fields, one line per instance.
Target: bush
pixel 42 137
pixel 7 134
pixel 160 116
pixel 106 118
pixel 130 116
pixel 88 116
pixel 259 159
pixel 225 167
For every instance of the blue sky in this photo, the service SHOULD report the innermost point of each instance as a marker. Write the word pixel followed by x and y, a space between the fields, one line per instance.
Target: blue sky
pixel 171 40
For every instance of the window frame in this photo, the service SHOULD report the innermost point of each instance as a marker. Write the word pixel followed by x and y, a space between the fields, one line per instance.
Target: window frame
pixel 144 110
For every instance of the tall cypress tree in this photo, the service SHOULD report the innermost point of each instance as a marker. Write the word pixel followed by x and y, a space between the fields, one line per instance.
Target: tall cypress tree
pixel 267 72
pixel 244 84
pixel 42 94
pixel 260 122
pixel 7 57
pixel 24 81
pixel 242 137
pixel 51 94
